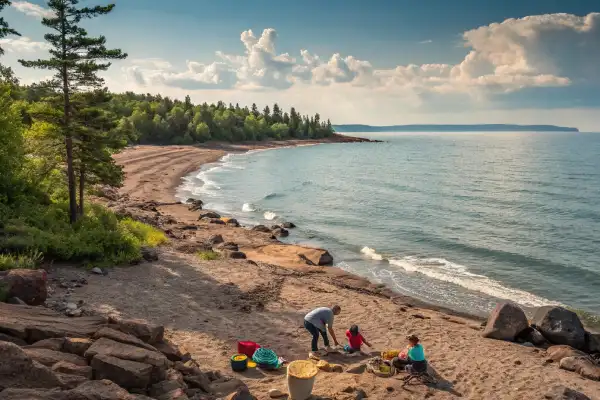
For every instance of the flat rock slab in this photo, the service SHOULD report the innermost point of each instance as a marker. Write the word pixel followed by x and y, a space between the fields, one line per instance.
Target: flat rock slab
pixel 33 324
pixel 50 357
pixel 141 329
pixel 127 374
pixel 64 367
pixel 127 352
pixel 121 337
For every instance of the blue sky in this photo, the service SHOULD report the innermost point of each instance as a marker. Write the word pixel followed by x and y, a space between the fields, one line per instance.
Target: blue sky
pixel 377 62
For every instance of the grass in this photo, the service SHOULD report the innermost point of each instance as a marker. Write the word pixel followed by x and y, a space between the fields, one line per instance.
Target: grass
pixel 20 261
pixel 208 255
pixel 148 235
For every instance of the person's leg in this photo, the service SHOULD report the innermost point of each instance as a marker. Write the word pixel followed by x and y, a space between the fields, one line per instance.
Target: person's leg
pixel 315 335
pixel 325 338
pixel 399 363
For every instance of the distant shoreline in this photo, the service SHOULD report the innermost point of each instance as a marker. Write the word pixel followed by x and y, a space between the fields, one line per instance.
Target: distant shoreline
pixel 353 128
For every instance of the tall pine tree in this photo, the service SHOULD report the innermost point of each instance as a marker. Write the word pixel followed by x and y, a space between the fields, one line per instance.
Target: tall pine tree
pixel 75 60
pixel 5 30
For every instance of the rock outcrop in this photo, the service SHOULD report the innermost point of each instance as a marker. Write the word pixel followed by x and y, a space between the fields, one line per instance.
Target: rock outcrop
pixel 560 326
pixel 584 366
pixel 26 284
pixel 505 322
pixel 564 393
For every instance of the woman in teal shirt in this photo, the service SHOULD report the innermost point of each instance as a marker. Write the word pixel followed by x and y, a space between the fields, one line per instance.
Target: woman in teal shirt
pixel 415 361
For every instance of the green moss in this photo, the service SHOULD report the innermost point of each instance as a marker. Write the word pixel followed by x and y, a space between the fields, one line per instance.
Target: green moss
pixel 208 255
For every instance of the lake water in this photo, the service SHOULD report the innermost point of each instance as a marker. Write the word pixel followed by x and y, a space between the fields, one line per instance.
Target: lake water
pixel 456 219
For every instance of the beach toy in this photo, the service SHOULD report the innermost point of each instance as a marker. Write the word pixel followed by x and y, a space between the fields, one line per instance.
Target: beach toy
pixel 239 362
pixel 248 348
pixel 390 354
pixel 266 359
pixel 251 364
pixel 301 379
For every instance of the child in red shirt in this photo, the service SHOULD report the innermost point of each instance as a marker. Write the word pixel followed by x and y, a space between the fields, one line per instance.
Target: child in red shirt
pixel 355 340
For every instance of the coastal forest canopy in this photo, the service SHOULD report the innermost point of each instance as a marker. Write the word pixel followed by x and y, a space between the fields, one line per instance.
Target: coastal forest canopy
pixel 57 139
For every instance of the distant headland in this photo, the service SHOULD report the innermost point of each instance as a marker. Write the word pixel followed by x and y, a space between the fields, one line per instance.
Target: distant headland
pixel 454 128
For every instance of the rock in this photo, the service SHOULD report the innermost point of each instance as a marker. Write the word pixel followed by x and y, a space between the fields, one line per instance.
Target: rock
pixel 261 228
pixel 128 352
pixel 584 366
pixel 215 239
pixel 324 259
pixel 76 345
pixel 164 387
pixel 11 339
pixel 564 393
pixel 281 232
pixel 33 324
pixel 55 344
pixel 357 368
pixel 557 353
pixel 242 393
pixel 97 271
pixel 592 342
pixel 505 322
pixel 16 300
pixel 50 357
pixel 126 373
pixel 288 225
pixel 195 205
pixel 361 394
pixel 177 394
pixel 27 284
pixel 209 215
pixel 187 368
pixel 227 246
pixel 237 255
pixel 534 336
pixel 189 228
pixel 141 329
pixel 199 381
pixel 149 254
pixel 18 370
pixel 71 306
pixel 64 367
pixel 70 381
pixel 275 393
pixel 171 351
pixel 232 222
pixel 216 221
pixel 102 390
pixel 192 248
pixel 121 337
pixel 560 326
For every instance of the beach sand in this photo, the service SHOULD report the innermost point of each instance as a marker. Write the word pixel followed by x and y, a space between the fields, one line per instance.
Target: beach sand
pixel 207 306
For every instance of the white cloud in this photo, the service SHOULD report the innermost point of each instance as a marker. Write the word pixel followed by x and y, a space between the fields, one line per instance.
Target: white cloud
pixel 33 10
pixel 22 45
pixel 426 41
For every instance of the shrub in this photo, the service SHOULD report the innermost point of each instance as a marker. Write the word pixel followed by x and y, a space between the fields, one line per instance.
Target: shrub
pixel 22 261
pixel 208 255
pixel 146 234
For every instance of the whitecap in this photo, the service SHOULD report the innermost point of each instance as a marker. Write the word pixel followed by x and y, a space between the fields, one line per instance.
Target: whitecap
pixel 269 215
pixel 248 207
pixel 447 271
pixel 371 253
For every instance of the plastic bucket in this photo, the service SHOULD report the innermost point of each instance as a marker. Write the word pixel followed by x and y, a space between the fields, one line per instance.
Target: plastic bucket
pixel 239 362
pixel 301 379
pixel 247 348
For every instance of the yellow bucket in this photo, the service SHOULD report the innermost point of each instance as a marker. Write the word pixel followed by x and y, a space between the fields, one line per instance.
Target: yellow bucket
pixel 388 355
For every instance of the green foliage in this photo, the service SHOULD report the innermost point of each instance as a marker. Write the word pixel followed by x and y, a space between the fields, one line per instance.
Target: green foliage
pixel 19 261
pixel 208 255
pixel 5 30
pixel 3 292
pixel 146 234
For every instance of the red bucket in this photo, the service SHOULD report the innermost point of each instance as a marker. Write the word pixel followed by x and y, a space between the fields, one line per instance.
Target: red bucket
pixel 247 348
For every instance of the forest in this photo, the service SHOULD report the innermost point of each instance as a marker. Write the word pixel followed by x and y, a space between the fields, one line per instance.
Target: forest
pixel 57 139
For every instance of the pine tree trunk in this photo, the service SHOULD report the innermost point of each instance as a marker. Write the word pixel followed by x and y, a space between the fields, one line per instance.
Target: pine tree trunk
pixel 68 137
pixel 81 189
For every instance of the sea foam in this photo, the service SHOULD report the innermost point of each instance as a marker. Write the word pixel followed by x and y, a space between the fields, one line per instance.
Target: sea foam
pixel 270 216
pixel 371 253
pixel 248 207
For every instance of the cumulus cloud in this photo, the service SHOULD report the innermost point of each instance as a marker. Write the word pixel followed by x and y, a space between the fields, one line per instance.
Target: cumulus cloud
pixel 32 10
pixel 22 45
pixel 538 51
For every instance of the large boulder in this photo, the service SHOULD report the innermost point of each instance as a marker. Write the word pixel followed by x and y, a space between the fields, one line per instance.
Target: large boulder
pixel 50 357
pixel 122 337
pixel 172 351
pixel 584 366
pixel 560 326
pixel 505 322
pixel 215 239
pixel 125 373
pixel 141 329
pixel 592 342
pixel 209 215
pixel 26 284
pixel 560 392
pixel 18 370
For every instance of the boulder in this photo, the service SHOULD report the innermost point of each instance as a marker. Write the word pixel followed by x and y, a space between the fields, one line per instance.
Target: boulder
pixel 288 225
pixel 216 221
pixel 560 326
pixel 172 351
pixel 232 222
pixel 584 366
pixel 215 239
pixel 127 352
pixel 534 336
pixel 68 381
pixel 126 373
pixel 50 357
pixel 76 345
pixel 560 392
pixel 18 370
pixel 505 322
pixel 237 255
pixel 209 215
pixel 55 344
pixel 558 352
pixel 195 205
pixel 164 387
pixel 7 338
pixel 149 253
pixel 241 393
pixel 281 232
pixel 122 337
pixel 227 246
pixel 261 228
pixel 27 284
pixel 141 329
pixel 198 381
pixel 592 342
pixel 177 394
pixel 64 367
pixel 103 390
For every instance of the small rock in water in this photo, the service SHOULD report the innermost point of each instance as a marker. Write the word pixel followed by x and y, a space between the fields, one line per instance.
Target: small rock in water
pixel 288 225
pixel 97 271
pixel 275 393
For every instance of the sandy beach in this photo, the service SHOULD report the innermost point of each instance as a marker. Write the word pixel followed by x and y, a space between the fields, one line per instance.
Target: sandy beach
pixel 208 306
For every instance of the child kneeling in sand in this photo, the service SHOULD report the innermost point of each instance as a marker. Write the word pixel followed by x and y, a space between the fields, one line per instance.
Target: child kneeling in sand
pixel 355 341
pixel 415 361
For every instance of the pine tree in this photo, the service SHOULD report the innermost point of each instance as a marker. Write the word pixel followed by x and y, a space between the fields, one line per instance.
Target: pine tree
pixel 5 30
pixel 74 59
pixel 267 114
pixel 276 118
pixel 255 111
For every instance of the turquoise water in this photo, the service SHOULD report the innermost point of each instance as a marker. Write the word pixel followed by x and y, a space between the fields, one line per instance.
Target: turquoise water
pixel 459 220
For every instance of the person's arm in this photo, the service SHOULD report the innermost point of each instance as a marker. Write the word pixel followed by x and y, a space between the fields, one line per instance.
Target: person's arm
pixel 332 333
pixel 365 341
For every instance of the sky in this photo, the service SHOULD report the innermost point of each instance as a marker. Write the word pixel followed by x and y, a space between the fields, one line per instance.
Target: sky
pixel 377 62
